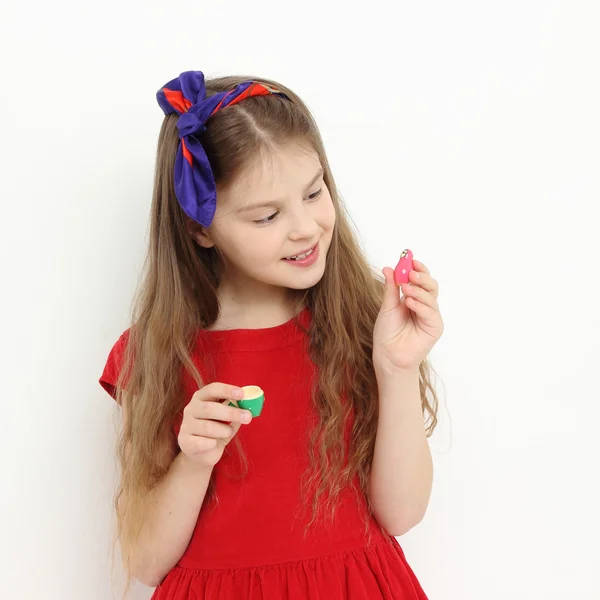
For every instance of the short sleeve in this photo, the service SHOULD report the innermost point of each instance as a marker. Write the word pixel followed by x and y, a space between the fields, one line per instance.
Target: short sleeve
pixel 113 366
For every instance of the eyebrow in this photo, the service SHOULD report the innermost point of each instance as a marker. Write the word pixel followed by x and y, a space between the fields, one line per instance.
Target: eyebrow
pixel 255 205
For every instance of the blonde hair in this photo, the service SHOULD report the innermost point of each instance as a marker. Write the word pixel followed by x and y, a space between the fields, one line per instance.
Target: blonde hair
pixel 178 295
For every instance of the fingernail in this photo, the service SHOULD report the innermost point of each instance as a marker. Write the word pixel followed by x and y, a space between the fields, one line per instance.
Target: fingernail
pixel 239 393
pixel 246 417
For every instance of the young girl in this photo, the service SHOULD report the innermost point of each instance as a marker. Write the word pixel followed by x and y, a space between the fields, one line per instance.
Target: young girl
pixel 254 277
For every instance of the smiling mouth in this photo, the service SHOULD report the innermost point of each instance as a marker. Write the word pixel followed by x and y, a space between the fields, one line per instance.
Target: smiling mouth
pixel 302 255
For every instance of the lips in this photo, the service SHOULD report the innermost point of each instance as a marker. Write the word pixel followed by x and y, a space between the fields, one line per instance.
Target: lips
pixel 300 253
pixel 307 261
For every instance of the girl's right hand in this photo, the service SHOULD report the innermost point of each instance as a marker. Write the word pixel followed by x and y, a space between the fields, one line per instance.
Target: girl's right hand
pixel 209 425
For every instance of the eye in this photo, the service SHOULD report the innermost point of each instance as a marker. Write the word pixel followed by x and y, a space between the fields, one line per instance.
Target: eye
pixel 267 220
pixel 272 217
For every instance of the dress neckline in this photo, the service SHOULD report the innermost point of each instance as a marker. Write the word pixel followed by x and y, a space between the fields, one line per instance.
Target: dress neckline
pixel 265 338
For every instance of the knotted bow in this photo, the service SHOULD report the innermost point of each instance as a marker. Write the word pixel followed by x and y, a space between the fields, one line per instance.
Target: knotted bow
pixel 195 185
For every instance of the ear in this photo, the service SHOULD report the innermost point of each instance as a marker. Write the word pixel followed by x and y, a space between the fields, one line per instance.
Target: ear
pixel 199 233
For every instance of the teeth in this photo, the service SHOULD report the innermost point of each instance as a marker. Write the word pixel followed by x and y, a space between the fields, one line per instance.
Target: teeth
pixel 300 256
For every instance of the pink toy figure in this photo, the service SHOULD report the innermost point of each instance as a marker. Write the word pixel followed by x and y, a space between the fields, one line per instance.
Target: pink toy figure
pixel 404 267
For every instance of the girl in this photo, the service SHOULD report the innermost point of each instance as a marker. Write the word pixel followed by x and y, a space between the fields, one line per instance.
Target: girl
pixel 254 277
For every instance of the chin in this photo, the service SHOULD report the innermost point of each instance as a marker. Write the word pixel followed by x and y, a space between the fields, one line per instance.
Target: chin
pixel 304 278
pixel 304 281
pixel 294 278
pixel 300 286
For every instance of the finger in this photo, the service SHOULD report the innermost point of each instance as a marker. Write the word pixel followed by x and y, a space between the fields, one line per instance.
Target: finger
pixel 219 411
pixel 418 293
pixel 420 267
pixel 243 416
pixel 424 280
pixel 217 391
pixel 428 315
pixel 235 427
pixel 391 296
pixel 207 428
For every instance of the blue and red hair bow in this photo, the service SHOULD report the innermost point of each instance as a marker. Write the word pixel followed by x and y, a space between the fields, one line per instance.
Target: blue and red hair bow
pixel 195 185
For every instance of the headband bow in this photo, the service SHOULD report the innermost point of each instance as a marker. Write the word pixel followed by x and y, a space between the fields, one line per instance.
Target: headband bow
pixel 195 185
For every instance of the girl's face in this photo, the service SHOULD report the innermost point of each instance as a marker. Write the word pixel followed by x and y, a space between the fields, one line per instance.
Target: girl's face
pixel 279 210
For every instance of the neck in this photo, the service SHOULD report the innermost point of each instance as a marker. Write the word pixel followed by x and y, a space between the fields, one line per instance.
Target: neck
pixel 255 306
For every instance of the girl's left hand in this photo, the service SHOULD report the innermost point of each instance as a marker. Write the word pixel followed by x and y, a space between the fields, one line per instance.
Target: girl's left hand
pixel 407 327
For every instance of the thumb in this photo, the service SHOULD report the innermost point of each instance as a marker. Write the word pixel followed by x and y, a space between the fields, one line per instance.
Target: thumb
pixel 391 295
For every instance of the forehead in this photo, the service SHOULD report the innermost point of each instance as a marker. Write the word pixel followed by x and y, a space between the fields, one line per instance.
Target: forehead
pixel 273 176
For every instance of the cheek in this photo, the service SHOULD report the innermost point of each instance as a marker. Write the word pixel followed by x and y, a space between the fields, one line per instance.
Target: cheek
pixel 326 214
pixel 248 245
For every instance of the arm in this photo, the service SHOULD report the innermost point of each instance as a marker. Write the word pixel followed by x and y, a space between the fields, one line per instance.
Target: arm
pixel 172 508
pixel 174 505
pixel 402 470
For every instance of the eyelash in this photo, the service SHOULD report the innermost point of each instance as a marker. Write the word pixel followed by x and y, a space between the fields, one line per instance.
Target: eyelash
pixel 272 217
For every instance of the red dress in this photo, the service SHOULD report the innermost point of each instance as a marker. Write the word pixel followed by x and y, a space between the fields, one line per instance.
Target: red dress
pixel 250 545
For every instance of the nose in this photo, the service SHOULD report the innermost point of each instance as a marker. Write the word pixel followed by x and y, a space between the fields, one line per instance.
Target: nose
pixel 303 224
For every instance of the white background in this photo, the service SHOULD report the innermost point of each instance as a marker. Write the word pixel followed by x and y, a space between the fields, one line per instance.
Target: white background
pixel 467 131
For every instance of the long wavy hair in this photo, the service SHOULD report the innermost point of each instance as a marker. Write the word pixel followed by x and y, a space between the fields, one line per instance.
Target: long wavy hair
pixel 177 295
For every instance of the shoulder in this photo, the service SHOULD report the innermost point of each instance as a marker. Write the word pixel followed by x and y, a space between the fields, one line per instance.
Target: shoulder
pixel 113 365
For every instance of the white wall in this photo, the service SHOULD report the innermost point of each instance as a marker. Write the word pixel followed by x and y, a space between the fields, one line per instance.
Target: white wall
pixel 467 131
